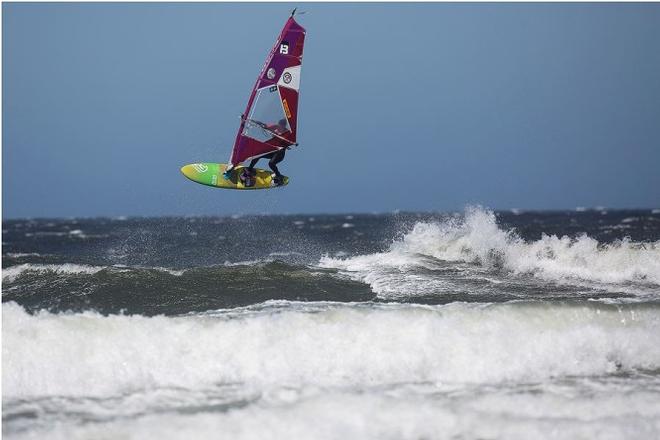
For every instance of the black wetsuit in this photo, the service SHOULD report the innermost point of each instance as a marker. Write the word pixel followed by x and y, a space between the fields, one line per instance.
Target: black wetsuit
pixel 275 158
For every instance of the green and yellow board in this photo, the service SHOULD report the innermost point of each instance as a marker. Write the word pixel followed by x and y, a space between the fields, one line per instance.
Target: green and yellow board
pixel 211 174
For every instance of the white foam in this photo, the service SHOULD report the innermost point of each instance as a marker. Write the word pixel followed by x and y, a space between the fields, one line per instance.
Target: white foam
pixel 86 354
pixel 45 234
pixel 478 239
pixel 304 414
pixel 23 254
pixel 175 272
pixel 10 274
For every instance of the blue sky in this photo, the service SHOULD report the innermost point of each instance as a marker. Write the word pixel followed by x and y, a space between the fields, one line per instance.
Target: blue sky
pixel 419 107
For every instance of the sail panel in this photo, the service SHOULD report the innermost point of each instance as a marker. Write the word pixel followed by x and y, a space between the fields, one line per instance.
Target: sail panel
pixel 268 116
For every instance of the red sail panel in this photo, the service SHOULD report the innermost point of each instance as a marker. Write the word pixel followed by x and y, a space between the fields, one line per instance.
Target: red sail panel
pixel 270 120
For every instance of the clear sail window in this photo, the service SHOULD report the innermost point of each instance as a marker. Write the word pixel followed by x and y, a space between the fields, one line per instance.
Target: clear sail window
pixel 267 116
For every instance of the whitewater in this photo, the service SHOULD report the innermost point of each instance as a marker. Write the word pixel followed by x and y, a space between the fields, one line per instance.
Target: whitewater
pixel 477 239
pixel 478 324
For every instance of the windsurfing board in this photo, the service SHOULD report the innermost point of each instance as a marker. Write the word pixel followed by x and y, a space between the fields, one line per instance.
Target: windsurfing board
pixel 212 174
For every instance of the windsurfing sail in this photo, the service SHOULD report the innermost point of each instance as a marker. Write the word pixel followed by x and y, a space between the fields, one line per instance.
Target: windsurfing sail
pixel 270 121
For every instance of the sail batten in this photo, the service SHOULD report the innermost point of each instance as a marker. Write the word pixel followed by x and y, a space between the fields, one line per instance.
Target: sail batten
pixel 270 120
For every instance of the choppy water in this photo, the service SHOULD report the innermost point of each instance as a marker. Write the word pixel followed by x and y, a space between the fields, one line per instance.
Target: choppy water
pixel 474 325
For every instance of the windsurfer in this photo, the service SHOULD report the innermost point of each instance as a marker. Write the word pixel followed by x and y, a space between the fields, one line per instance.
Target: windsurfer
pixel 269 124
pixel 280 128
pixel 247 176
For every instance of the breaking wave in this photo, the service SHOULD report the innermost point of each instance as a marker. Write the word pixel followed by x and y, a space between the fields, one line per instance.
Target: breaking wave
pixel 87 354
pixel 476 239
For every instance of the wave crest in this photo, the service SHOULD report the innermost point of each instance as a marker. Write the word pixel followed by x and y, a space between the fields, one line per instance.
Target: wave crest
pixel 477 239
pixel 10 274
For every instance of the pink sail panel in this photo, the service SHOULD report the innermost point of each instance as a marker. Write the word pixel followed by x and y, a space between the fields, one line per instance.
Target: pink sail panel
pixel 270 120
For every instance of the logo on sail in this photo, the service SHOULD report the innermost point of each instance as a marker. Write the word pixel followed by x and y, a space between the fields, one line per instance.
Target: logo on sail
pixel 271 73
pixel 286 77
pixel 286 108
pixel 284 48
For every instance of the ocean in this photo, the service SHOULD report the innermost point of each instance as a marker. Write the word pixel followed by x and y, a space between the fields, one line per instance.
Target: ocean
pixel 470 325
